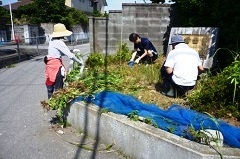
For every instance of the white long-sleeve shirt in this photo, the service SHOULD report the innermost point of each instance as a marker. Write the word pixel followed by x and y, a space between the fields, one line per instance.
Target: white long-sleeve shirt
pixel 57 48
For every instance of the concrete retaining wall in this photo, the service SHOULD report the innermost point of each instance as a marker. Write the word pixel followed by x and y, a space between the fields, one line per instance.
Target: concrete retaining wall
pixel 139 140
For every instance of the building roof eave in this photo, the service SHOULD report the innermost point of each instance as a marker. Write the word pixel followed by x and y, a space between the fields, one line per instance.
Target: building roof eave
pixel 105 3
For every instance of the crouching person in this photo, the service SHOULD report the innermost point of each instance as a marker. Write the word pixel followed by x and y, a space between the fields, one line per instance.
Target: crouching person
pixel 144 51
pixel 181 67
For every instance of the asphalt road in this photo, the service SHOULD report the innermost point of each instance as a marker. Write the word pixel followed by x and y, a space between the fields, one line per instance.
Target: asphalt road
pixel 25 131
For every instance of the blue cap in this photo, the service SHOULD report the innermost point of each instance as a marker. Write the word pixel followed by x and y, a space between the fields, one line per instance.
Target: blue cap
pixel 176 39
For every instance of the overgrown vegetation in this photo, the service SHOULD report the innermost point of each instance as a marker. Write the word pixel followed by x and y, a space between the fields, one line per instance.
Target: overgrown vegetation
pixel 217 94
pixel 108 73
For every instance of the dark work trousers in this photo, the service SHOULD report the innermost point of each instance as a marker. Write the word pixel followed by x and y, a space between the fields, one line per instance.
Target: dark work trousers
pixel 147 59
pixel 56 85
pixel 167 78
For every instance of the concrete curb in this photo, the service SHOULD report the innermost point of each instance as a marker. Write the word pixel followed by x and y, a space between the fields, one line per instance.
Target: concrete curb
pixel 139 140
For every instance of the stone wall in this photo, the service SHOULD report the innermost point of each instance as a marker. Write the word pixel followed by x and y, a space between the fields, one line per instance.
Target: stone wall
pixel 148 20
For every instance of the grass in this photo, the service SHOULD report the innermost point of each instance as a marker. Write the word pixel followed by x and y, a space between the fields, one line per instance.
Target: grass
pixel 141 81
pixel 144 83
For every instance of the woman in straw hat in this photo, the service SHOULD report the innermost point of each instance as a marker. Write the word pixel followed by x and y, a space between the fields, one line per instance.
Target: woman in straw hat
pixel 55 70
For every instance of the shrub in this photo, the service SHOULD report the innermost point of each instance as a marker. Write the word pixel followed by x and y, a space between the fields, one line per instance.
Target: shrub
pixel 219 94
pixel 95 60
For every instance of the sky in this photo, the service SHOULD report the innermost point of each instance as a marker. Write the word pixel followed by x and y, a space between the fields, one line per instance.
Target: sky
pixel 5 2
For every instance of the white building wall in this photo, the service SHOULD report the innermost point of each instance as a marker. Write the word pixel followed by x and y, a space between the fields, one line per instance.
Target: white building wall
pixel 84 5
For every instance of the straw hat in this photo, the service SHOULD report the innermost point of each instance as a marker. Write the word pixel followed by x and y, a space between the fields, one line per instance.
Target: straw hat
pixel 60 30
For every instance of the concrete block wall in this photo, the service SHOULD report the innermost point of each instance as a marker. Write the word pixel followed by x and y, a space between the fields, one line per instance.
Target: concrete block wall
pixel 148 20
pixel 98 29
pixel 115 30
pixel 45 30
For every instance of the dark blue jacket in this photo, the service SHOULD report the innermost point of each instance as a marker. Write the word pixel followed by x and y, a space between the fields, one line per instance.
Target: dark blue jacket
pixel 144 44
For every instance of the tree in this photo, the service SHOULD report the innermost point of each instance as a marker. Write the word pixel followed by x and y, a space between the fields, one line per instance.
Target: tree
pixel 44 11
pixel 50 11
pixel 77 17
pixel 4 13
pixel 223 14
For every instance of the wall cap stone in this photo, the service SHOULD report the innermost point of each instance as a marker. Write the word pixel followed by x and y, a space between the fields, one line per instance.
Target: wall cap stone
pixel 146 4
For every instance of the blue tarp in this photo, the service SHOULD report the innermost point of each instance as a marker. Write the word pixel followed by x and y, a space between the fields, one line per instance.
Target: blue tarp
pixel 176 118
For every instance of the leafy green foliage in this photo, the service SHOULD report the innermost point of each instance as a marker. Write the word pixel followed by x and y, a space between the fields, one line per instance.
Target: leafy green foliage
pixel 77 17
pixel 44 11
pixel 123 53
pixel 133 115
pixel 98 60
pixel 113 76
pixel 219 95
pixel 62 97
pixel 4 14
pixel 50 11
pixel 196 134
pixel 150 121
pixel 102 81
pixel 73 76
pixel 99 14
pixel 95 60
pixel 171 129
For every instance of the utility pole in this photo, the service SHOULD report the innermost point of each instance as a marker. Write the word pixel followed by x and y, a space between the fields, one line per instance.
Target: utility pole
pixel 10 8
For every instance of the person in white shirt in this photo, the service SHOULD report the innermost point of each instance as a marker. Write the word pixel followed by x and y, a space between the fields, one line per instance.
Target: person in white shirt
pixel 55 69
pixel 182 66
